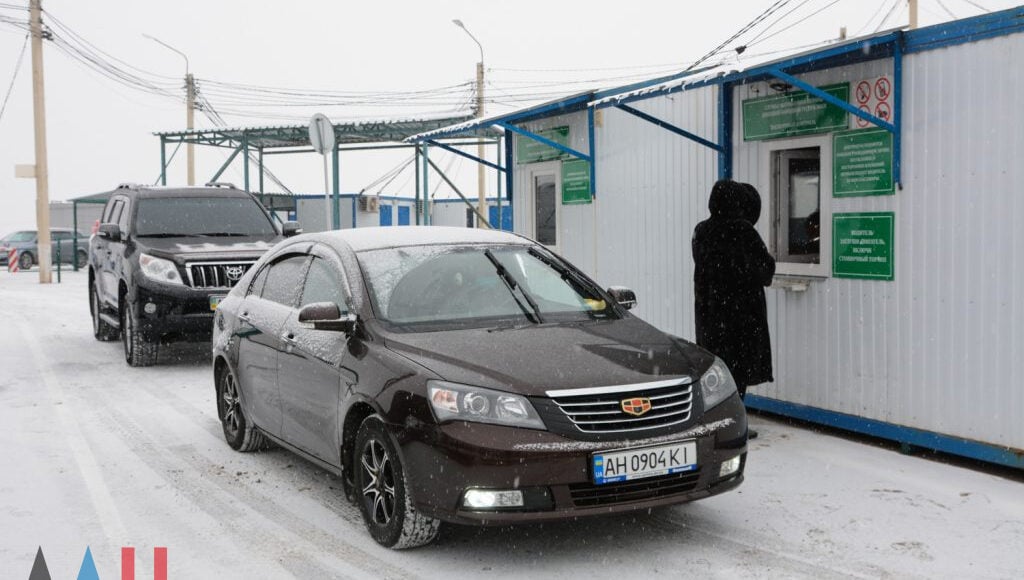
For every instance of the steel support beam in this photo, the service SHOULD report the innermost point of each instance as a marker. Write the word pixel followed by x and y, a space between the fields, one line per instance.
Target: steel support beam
pixel 227 163
pixel 816 92
pixel 455 188
pixel 510 174
pixel 725 130
pixel 897 108
pixel 74 235
pixel 259 156
pixel 245 161
pixel 591 148
pixel 545 141
pixel 469 156
pixel 416 170
pixel 336 188
pixel 670 127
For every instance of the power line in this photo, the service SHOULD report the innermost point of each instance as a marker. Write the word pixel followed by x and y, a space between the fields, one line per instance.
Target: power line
pixel 978 6
pixel 779 4
pixel 946 9
pixel 802 20
pixel 14 77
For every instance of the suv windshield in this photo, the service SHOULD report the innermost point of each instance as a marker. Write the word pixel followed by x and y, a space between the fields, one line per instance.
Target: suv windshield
pixel 21 237
pixel 197 216
pixel 464 286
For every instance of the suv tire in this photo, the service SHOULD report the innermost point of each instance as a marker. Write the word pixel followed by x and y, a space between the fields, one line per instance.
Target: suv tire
pixel 382 492
pixel 100 329
pixel 82 259
pixel 26 260
pixel 239 434
pixel 138 352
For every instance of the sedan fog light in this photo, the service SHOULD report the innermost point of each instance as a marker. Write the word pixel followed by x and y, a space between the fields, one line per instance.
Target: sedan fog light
pixel 150 308
pixel 729 467
pixel 488 499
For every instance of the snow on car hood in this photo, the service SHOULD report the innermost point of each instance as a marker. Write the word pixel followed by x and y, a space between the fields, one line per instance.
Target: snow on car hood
pixel 533 359
pixel 212 248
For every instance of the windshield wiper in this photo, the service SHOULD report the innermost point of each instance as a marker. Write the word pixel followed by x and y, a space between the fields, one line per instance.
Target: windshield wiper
pixel 512 284
pixel 224 234
pixel 165 235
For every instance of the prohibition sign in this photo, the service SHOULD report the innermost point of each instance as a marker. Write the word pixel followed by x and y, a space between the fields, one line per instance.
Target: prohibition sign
pixel 863 92
pixel 883 112
pixel 862 122
pixel 882 88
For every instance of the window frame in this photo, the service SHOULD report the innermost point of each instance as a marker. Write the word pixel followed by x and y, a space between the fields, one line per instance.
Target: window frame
pixel 302 276
pixel 339 276
pixel 823 143
pixel 554 169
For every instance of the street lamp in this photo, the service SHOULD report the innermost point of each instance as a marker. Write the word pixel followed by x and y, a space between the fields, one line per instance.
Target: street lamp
pixel 190 101
pixel 481 170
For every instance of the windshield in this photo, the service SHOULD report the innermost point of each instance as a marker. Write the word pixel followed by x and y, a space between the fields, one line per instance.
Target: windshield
pixel 464 286
pixel 198 216
pixel 20 237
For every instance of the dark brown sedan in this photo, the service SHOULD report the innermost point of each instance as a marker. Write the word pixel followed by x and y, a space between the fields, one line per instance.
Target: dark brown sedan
pixel 468 376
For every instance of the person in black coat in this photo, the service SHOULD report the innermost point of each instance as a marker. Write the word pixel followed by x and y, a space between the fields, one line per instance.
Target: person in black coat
pixel 731 268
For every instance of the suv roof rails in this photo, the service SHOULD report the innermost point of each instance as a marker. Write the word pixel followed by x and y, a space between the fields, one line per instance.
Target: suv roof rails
pixel 224 184
pixel 128 186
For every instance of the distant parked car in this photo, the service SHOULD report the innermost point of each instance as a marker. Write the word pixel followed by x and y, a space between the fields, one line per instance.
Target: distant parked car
pixel 27 244
pixel 469 376
pixel 162 259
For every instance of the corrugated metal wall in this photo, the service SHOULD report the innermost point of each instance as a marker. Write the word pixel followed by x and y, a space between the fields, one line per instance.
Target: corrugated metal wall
pixel 941 348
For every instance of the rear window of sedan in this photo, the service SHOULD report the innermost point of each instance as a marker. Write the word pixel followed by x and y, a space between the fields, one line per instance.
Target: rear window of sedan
pixel 430 285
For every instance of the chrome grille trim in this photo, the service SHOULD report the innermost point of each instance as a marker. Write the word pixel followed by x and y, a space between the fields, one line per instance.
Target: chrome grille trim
pixel 671 404
pixel 618 388
pixel 214 275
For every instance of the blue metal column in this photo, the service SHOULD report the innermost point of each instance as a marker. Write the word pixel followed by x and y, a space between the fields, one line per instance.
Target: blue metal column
pixel 336 191
pixel 509 169
pixel 260 157
pixel 497 191
pixel 74 235
pixel 897 106
pixel 426 186
pixel 416 170
pixel 725 131
pixel 245 160
pixel 591 152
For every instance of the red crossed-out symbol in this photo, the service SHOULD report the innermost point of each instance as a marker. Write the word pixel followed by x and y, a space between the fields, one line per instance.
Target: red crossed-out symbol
pixel 882 89
pixel 883 112
pixel 863 92
pixel 862 122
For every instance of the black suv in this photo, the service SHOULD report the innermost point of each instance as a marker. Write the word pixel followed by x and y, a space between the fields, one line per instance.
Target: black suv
pixel 164 257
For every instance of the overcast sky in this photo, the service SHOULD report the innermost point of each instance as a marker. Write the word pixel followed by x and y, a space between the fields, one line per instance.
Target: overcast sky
pixel 100 132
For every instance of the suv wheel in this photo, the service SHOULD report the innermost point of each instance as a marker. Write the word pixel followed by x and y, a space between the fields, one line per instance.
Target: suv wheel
pixel 138 351
pixel 82 260
pixel 26 261
pixel 383 494
pixel 239 434
pixel 100 329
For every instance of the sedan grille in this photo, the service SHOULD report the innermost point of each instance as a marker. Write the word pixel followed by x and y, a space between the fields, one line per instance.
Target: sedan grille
pixel 605 412
pixel 216 275
pixel 588 494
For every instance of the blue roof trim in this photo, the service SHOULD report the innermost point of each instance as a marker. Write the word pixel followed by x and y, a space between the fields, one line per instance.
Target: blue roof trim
pixel 572 104
pixel 973 29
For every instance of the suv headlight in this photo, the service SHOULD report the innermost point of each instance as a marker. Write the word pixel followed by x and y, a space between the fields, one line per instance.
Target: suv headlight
pixel 717 384
pixel 452 401
pixel 159 269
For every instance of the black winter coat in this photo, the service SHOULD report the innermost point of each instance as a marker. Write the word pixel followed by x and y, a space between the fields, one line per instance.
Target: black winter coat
pixel 731 268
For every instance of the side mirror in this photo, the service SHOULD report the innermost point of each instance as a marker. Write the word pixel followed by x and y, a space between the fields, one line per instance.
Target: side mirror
pixel 326 316
pixel 624 296
pixel 110 231
pixel 289 229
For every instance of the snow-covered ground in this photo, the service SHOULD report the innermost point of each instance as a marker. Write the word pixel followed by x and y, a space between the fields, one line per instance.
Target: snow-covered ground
pixel 98 454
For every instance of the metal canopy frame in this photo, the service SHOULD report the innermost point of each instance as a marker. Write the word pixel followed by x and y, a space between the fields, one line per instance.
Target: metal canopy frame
pixel 294 139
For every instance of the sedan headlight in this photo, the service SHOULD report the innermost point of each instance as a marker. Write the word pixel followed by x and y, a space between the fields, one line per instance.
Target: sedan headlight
pixel 452 401
pixel 159 269
pixel 717 384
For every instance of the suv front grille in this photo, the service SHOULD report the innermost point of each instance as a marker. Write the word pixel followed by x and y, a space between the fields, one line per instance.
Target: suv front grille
pixel 670 404
pixel 588 494
pixel 216 274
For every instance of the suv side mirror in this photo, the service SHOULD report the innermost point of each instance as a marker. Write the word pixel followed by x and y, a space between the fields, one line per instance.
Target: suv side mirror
pixel 110 231
pixel 624 296
pixel 289 229
pixel 326 316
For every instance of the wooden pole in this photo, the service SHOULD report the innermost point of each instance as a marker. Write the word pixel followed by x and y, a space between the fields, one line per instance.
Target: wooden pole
pixel 41 169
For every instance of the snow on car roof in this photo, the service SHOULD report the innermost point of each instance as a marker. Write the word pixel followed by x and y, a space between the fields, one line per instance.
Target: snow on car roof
pixel 361 239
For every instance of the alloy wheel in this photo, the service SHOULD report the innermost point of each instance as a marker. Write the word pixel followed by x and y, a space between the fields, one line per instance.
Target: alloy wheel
pixel 379 480
pixel 229 404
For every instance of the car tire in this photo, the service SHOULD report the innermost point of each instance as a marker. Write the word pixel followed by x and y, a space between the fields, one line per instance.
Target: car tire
pixel 382 491
pixel 100 329
pixel 240 435
pixel 26 261
pixel 82 259
pixel 138 352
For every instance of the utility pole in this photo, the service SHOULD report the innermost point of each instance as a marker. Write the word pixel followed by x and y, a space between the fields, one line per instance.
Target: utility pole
pixel 913 14
pixel 481 170
pixel 41 167
pixel 190 107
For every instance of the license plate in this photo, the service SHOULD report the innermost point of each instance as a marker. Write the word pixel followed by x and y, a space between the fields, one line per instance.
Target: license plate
pixel 215 301
pixel 628 464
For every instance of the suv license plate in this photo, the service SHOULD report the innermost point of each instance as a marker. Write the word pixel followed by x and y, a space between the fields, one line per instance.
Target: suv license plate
pixel 215 301
pixel 628 464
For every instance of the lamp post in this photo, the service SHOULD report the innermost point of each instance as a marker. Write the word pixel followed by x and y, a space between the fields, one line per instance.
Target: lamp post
pixel 481 170
pixel 190 102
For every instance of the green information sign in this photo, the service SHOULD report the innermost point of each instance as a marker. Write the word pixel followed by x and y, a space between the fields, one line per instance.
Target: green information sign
pixel 862 163
pixel 532 151
pixel 576 181
pixel 862 245
pixel 796 113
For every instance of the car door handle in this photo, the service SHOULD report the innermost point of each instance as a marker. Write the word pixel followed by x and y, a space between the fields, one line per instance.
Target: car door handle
pixel 244 317
pixel 289 339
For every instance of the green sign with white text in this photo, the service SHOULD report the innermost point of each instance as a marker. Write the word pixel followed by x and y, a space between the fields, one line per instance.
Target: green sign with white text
pixel 533 151
pixel 576 181
pixel 862 163
pixel 862 245
pixel 792 114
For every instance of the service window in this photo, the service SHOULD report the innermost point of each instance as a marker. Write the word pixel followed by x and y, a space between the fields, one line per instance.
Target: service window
pixel 544 201
pixel 800 206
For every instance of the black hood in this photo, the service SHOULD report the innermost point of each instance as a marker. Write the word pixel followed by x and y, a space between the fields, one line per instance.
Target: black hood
pixel 728 200
pixel 192 249
pixel 751 204
pixel 534 359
